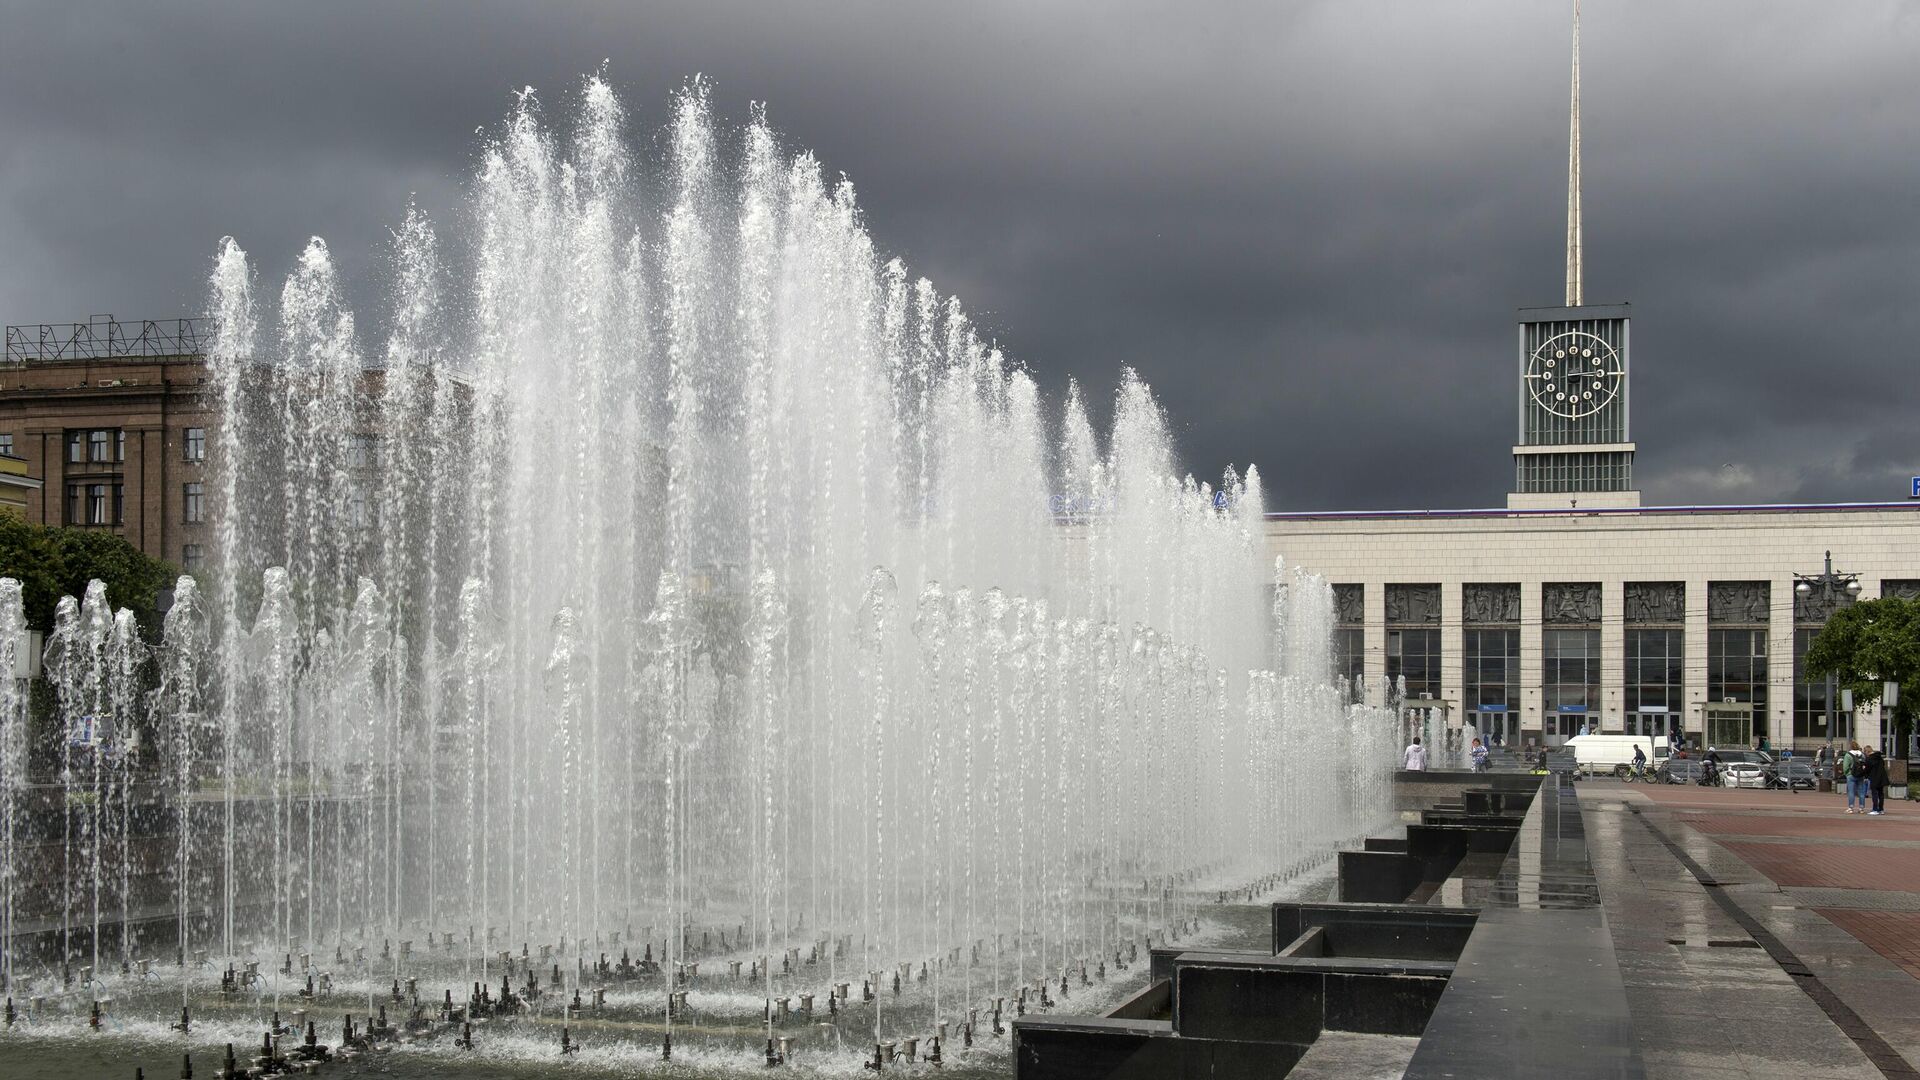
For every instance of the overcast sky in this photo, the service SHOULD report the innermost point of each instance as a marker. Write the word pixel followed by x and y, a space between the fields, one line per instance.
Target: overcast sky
pixel 1307 224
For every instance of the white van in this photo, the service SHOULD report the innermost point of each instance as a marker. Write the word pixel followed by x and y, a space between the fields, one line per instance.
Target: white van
pixel 1614 753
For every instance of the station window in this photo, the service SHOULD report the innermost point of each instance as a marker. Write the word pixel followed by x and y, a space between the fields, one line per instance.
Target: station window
pixel 193 501
pixel 192 557
pixel 195 444
pixel 6 443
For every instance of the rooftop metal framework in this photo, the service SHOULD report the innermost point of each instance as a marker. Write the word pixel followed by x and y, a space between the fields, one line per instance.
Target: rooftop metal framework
pixel 102 337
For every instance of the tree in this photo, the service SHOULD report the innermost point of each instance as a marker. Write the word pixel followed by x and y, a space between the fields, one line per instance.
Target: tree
pixel 1868 644
pixel 51 562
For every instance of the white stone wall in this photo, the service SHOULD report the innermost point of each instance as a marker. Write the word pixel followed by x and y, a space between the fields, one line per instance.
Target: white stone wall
pixel 1613 548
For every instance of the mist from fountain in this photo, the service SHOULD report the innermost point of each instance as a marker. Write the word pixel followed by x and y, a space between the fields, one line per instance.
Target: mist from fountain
pixel 677 565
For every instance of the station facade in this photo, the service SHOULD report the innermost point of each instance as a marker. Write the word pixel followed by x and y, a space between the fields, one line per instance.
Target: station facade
pixel 1538 623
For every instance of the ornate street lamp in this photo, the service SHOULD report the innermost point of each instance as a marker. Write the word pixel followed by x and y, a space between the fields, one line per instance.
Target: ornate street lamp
pixel 1828 584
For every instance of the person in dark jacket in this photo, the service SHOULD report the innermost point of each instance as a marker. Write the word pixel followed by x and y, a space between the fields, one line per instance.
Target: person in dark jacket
pixel 1877 780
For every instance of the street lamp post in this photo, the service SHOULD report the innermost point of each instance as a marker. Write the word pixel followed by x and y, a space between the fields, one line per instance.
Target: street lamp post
pixel 1828 584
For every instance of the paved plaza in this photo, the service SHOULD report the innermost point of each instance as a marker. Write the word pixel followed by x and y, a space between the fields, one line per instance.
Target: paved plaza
pixel 1762 933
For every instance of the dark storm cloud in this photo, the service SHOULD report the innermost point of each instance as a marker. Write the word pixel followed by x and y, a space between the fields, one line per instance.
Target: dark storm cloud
pixel 1307 224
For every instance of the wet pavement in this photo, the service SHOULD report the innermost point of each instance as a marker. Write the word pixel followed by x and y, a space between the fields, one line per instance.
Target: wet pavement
pixel 1762 933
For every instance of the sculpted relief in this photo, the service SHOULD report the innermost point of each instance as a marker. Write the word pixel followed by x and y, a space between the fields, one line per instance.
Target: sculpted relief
pixel 1491 603
pixel 1656 601
pixel 1416 605
pixel 1742 602
pixel 1570 602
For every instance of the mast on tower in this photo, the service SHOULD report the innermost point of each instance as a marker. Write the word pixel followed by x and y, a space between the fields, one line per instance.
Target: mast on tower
pixel 1575 287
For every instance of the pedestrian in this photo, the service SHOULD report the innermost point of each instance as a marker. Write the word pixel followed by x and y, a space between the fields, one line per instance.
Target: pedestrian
pixel 1851 770
pixel 1877 780
pixel 1479 753
pixel 1416 756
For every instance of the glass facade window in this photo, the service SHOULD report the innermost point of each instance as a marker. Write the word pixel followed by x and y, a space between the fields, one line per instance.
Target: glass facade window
pixel 1737 668
pixel 1414 653
pixel 1570 679
pixel 76 447
pixel 1810 719
pixel 1656 678
pixel 363 451
pixel 1492 671
pixel 97 445
pixel 6 443
pixel 194 501
pixel 1349 653
pixel 192 557
pixel 1349 633
pixel 195 444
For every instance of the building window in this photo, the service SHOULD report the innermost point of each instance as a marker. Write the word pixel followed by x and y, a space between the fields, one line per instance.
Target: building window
pixel 1350 636
pixel 191 557
pixel 6 443
pixel 1350 657
pixel 1492 672
pixel 1810 704
pixel 193 501
pixel 1656 676
pixel 363 451
pixel 98 445
pixel 196 444
pixel 1413 654
pixel 1570 684
pixel 359 514
pixel 1737 669
pixel 96 504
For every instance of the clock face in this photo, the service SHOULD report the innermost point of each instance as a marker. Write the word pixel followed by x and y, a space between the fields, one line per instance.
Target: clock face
pixel 1574 374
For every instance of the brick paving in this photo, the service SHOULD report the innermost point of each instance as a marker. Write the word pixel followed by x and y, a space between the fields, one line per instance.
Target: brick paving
pixel 1832 867
pixel 1893 934
pixel 1835 825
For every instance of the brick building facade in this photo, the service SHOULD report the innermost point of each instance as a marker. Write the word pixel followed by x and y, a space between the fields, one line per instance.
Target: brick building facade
pixel 115 424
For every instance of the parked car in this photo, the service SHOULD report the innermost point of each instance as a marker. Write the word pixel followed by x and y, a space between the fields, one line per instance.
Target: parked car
pixel 1745 774
pixel 1681 771
pixel 1796 774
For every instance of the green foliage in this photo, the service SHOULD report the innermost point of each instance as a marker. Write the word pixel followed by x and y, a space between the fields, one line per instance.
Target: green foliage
pixel 1868 644
pixel 50 562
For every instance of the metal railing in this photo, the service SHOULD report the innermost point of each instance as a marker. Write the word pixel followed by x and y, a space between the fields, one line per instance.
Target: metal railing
pixel 103 337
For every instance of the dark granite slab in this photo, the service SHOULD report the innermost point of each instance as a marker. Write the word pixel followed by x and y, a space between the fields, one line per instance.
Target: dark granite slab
pixel 1537 990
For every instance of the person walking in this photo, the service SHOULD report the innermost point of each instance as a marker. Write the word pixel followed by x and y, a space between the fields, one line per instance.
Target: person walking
pixel 1415 758
pixel 1849 769
pixel 1479 753
pixel 1877 780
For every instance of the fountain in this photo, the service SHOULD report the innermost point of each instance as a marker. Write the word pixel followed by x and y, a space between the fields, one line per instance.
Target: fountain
pixel 675 578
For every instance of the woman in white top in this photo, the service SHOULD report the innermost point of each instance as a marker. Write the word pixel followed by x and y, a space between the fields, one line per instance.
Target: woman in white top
pixel 1416 756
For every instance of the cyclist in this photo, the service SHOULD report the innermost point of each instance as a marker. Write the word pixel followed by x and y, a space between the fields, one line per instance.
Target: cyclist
pixel 1639 762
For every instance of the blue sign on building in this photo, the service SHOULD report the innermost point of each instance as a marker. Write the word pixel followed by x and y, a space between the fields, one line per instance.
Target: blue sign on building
pixel 1916 488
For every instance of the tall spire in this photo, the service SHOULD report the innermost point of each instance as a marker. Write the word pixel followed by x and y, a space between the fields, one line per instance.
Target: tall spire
pixel 1575 256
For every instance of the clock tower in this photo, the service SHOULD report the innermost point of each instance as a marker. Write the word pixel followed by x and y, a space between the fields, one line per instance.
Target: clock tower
pixel 1574 447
